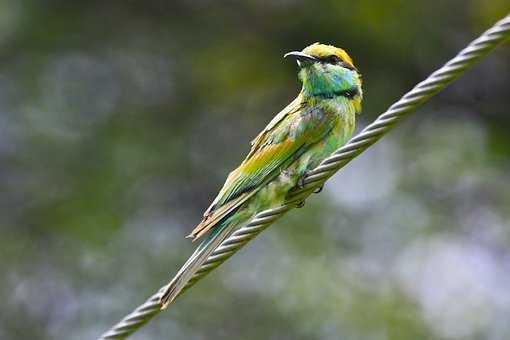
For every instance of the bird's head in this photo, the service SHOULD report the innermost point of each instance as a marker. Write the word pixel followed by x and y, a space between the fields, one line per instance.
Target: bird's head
pixel 327 71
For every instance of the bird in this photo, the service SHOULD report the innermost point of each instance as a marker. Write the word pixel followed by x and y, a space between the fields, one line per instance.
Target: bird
pixel 318 121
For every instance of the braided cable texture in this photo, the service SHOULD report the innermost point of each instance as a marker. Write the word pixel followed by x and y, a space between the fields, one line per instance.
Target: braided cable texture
pixel 437 81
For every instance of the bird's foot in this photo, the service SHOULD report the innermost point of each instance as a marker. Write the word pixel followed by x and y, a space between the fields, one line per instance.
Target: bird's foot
pixel 301 181
pixel 300 204
pixel 318 190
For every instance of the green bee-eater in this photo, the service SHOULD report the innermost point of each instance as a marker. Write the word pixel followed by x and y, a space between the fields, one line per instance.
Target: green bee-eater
pixel 310 128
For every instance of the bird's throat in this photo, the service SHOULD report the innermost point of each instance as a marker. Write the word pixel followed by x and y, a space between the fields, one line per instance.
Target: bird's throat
pixel 328 84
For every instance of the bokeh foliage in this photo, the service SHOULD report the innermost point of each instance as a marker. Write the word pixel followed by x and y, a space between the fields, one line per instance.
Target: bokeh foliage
pixel 119 121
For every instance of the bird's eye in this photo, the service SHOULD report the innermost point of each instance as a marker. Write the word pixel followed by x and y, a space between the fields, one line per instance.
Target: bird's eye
pixel 334 59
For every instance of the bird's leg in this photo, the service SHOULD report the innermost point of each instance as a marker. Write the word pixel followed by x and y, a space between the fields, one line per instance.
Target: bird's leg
pixel 300 185
pixel 301 180
pixel 290 176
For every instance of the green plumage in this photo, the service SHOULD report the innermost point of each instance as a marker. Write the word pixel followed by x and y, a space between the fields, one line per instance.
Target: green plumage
pixel 317 122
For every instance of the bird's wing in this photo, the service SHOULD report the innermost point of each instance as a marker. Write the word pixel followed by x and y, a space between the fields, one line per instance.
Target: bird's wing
pixel 281 142
pixel 294 106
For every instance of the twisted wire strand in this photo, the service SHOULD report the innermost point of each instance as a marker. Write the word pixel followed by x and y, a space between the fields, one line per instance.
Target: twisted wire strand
pixel 423 91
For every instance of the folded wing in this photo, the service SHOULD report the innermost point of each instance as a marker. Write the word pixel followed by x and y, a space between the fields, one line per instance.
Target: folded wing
pixel 280 143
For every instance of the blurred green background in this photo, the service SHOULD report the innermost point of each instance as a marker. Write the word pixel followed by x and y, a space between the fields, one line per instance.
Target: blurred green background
pixel 119 121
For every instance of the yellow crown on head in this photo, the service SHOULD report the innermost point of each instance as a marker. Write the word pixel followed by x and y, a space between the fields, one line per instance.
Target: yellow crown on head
pixel 321 51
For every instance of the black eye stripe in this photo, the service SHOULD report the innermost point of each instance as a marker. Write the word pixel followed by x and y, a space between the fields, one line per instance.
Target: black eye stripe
pixel 336 60
pixel 349 67
pixel 331 59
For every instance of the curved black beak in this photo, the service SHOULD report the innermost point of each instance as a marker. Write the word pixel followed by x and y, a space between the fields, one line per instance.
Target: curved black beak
pixel 300 56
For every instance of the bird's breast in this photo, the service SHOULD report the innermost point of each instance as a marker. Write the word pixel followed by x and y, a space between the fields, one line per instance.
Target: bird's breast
pixel 345 111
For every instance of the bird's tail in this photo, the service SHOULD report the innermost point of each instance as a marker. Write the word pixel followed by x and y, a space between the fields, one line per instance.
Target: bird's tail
pixel 193 264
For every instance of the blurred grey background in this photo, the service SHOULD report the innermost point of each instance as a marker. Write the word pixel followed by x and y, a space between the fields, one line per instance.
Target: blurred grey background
pixel 119 121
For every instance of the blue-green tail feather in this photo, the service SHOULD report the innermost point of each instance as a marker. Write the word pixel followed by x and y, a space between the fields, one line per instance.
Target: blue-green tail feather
pixel 217 235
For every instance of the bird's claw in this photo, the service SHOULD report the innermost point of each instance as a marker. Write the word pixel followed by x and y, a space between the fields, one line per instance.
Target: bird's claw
pixel 301 181
pixel 300 204
pixel 318 190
